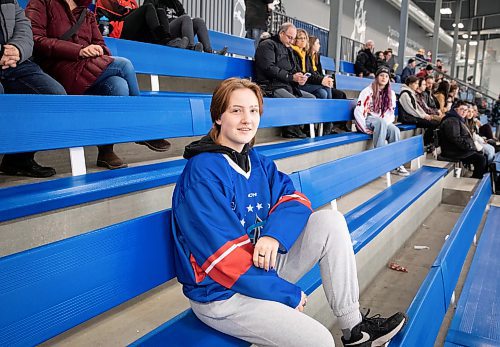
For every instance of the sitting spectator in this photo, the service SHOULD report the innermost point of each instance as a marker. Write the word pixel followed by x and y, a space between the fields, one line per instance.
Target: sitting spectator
pixel 428 93
pixel 456 141
pixel 494 117
pixel 374 112
pixel 381 60
pixel 441 96
pixel 391 63
pixel 182 25
pixel 251 294
pixel 143 24
pixel 18 75
pixel 420 57
pixel 366 62
pixel 82 62
pixel 256 13
pixel 409 70
pixel 473 125
pixel 422 101
pixel 454 91
pixel 440 67
pixel 410 112
pixel 277 73
pixel 425 72
pixel 318 84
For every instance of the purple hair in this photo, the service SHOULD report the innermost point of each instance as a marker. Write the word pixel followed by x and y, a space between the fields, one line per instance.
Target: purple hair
pixel 381 98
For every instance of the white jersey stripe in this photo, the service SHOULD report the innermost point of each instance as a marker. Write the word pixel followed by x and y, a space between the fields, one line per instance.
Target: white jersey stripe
pixel 225 254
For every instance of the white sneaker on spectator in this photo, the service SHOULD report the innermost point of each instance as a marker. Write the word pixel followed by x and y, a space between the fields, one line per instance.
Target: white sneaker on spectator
pixel 401 171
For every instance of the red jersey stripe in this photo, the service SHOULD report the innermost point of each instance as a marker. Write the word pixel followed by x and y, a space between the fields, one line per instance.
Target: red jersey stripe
pixel 296 196
pixel 230 268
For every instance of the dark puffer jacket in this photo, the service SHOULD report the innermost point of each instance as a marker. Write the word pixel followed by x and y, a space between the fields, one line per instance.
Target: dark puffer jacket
pixel 454 137
pixel 256 14
pixel 366 63
pixel 15 28
pixel 275 65
pixel 61 59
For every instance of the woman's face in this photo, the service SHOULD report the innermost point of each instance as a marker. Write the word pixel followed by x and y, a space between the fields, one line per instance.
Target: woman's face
pixel 422 87
pixel 381 56
pixel 414 86
pixel 383 79
pixel 316 46
pixel 239 123
pixel 469 113
pixel 301 40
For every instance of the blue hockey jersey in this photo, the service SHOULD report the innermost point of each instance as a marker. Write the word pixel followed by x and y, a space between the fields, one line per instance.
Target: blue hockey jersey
pixel 219 212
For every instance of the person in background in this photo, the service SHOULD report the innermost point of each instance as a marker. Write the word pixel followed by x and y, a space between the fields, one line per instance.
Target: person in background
pixel 409 69
pixel 277 72
pixel 144 24
pixel 422 95
pixel 82 63
pixel 440 66
pixel 374 112
pixel 425 72
pixel 428 93
pixel 441 96
pixel 473 125
pixel 381 60
pixel 410 112
pixel 366 62
pixel 256 14
pixel 239 270
pixel 182 25
pixel 306 50
pixel 19 75
pixel 456 140
pixel 391 63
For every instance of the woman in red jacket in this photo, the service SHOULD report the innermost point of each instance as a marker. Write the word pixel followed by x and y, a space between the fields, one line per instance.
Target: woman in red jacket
pixel 82 63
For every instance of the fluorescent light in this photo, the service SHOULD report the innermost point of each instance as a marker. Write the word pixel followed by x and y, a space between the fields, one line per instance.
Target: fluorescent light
pixel 445 10
pixel 473 43
pixel 465 36
pixel 460 25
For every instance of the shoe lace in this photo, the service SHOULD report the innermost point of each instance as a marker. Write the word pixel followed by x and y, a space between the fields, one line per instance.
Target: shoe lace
pixel 376 319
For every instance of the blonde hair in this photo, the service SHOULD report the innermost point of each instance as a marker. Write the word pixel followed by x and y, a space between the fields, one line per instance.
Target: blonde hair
pixel 221 98
pixel 306 48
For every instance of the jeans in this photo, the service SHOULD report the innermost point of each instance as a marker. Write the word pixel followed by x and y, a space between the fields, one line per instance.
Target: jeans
pixel 28 78
pixel 317 90
pixel 118 79
pixel 283 93
pixel 254 34
pixel 382 131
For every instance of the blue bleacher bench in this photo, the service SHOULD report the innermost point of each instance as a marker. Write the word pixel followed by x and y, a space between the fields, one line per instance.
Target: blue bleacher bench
pixel 428 308
pixel 477 318
pixel 83 276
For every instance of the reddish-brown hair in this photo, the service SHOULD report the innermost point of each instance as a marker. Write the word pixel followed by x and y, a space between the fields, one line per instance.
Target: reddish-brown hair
pixel 221 97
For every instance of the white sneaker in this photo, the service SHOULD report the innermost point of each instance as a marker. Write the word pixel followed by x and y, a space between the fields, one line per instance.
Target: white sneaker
pixel 401 171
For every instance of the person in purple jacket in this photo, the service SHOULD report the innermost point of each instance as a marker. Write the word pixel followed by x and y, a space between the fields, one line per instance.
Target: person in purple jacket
pixel 244 236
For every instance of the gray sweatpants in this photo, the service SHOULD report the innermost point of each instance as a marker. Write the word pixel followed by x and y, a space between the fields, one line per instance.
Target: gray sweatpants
pixel 326 240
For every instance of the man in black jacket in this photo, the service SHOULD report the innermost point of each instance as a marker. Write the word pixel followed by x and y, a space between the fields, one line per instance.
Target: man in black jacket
pixel 366 62
pixel 277 72
pixel 456 140
pixel 256 18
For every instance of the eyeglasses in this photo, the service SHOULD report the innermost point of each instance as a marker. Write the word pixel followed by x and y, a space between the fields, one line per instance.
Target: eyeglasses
pixel 290 37
pixel 301 38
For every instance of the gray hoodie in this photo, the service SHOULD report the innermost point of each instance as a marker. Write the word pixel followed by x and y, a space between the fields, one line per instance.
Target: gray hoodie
pixel 406 103
pixel 16 28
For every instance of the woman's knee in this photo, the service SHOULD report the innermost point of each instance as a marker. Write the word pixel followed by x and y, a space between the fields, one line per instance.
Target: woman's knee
pixel 198 21
pixel 321 93
pixel 329 222
pixel 115 86
pixel 123 64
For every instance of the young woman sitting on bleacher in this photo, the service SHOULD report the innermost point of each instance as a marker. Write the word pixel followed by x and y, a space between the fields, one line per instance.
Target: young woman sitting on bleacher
pixel 374 112
pixel 144 24
pixel 182 25
pixel 81 62
pixel 244 236
pixel 306 50
pixel 410 111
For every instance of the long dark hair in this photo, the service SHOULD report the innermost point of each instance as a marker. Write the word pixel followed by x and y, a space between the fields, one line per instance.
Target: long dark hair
pixel 443 88
pixel 312 40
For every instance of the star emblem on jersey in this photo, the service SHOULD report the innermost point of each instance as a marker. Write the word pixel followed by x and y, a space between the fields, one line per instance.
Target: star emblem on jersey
pixel 259 206
pixel 249 208
pixel 242 222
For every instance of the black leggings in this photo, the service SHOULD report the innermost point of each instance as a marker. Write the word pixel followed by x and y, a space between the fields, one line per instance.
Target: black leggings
pixel 188 27
pixel 146 24
pixel 429 125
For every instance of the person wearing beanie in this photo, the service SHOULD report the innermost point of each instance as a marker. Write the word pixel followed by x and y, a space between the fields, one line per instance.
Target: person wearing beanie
pixel 374 112
pixel 425 72
pixel 409 70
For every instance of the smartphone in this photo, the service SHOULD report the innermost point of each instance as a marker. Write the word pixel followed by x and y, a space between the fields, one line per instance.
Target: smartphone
pixel 307 74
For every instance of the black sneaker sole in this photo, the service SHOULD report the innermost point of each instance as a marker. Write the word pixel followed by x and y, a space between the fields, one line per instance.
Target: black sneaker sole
pixel 102 163
pixel 153 148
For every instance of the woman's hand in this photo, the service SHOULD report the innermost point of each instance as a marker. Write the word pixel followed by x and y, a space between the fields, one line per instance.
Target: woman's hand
pixel 91 51
pixel 327 82
pixel 265 253
pixel 303 302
